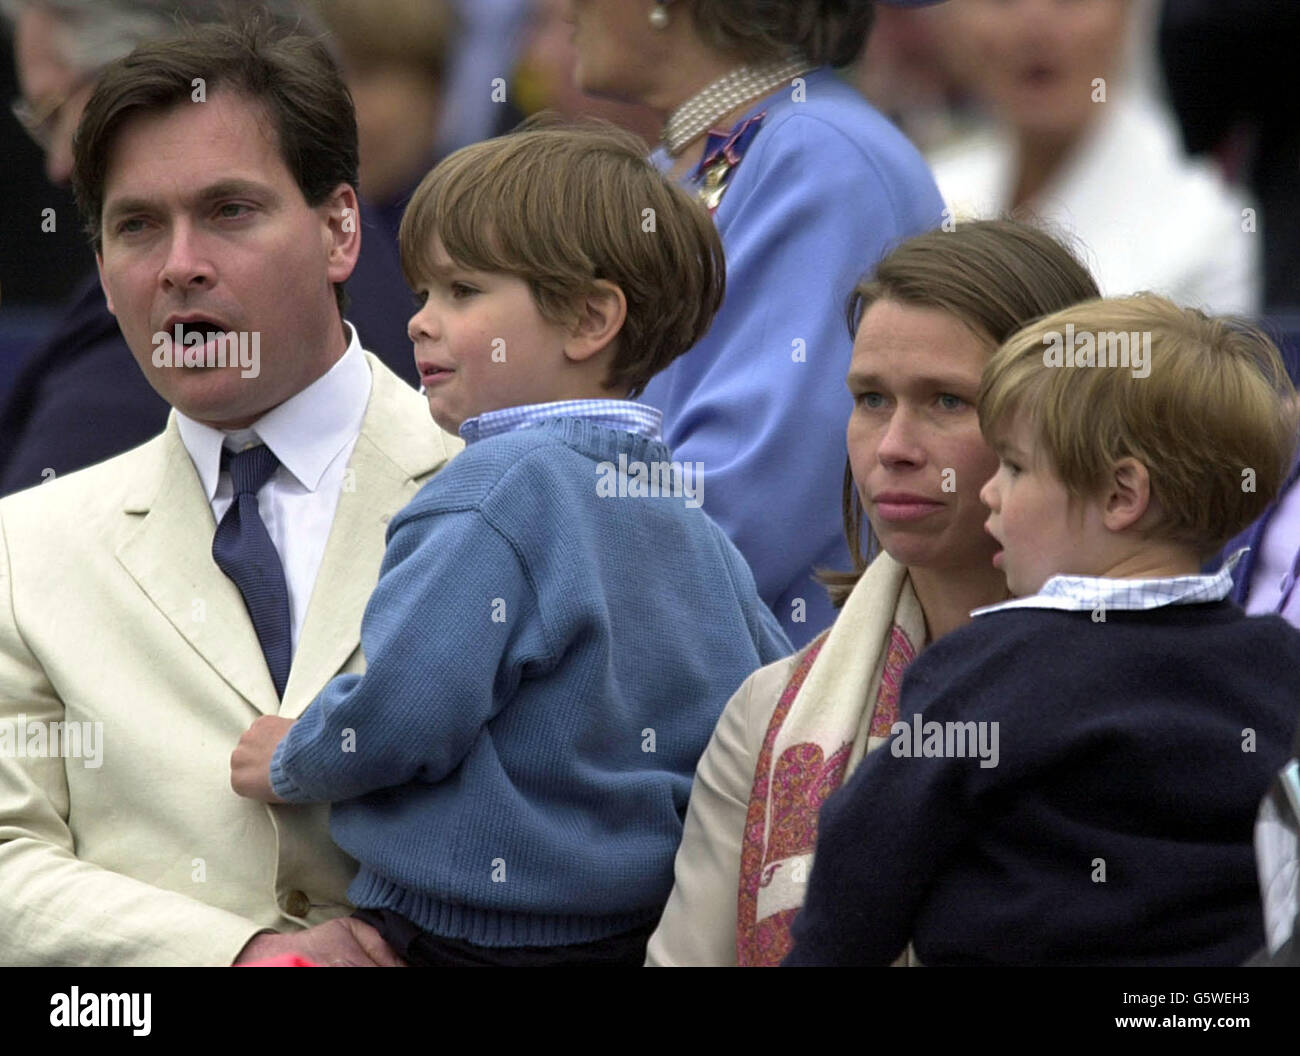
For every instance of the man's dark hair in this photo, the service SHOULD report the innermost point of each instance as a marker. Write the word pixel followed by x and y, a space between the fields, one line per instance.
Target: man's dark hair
pixel 292 75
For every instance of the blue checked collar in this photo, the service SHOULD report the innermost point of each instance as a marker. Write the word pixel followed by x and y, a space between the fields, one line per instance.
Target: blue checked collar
pixel 1087 593
pixel 627 415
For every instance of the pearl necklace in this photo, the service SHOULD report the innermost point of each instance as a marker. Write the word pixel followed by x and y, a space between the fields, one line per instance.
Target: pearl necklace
pixel 742 85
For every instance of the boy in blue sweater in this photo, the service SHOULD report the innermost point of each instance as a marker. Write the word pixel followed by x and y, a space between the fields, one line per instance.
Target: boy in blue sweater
pixel 557 624
pixel 1077 771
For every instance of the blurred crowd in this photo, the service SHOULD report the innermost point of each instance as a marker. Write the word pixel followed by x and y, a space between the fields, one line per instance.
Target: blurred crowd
pixel 1151 135
pixel 999 94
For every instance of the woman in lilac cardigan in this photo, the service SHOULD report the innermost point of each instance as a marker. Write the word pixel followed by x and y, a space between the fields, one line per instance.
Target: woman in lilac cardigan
pixel 809 186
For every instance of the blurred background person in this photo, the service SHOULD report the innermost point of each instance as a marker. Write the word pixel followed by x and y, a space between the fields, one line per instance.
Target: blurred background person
pixel 487 46
pixel 1230 76
pixel 544 79
pixel 905 73
pixel 44 248
pixel 38 260
pixel 809 185
pixel 394 58
pixel 1080 139
pixel 76 396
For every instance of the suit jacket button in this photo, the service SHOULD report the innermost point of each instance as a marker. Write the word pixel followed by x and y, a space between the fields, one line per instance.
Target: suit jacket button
pixel 297 904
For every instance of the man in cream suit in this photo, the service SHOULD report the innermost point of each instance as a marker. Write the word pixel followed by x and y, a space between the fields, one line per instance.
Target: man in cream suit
pixel 130 662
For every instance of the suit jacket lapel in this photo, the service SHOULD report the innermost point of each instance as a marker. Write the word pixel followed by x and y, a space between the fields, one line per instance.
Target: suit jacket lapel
pixel 399 447
pixel 331 630
pixel 169 555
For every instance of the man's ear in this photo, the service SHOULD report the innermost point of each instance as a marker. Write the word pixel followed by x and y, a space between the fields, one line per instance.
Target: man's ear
pixel 341 231
pixel 108 297
pixel 599 316
pixel 1128 495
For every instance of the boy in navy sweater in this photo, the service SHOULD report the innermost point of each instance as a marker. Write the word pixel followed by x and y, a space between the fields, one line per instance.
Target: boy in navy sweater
pixel 1077 776
pixel 557 623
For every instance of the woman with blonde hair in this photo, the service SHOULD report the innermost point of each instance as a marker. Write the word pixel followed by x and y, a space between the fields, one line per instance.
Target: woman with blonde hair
pixel 926 323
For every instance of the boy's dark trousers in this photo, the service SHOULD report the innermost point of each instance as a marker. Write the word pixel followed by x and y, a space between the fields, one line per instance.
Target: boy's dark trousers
pixel 420 949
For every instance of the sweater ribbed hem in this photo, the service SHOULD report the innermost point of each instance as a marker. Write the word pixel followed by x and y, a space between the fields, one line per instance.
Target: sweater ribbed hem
pixel 488 927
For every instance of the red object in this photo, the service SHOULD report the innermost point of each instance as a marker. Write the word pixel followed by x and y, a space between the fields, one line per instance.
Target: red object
pixel 283 960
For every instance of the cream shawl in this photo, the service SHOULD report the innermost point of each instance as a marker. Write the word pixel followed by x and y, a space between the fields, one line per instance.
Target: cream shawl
pixel 840 703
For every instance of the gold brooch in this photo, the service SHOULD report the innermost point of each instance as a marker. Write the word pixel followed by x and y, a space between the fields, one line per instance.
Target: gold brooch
pixel 715 183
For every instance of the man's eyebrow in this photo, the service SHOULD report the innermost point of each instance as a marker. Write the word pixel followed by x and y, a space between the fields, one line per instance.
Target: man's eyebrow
pixel 122 206
pixel 237 188
pixel 232 188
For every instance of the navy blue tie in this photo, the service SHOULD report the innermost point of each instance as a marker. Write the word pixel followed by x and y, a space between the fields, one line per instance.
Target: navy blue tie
pixel 243 550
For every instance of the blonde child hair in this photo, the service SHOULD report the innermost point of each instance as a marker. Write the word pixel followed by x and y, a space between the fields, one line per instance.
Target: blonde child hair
pixel 1203 402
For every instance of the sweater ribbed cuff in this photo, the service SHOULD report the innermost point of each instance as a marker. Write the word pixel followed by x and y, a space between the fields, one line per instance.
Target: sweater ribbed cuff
pixel 281 783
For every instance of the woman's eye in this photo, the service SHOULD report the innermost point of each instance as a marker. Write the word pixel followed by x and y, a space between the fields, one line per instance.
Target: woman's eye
pixel 1010 466
pixel 949 402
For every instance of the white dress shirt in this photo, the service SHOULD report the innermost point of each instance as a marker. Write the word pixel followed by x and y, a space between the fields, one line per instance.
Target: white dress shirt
pixel 312 434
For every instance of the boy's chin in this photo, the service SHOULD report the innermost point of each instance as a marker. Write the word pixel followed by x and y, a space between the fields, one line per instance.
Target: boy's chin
pixel 445 422
pixel 1023 587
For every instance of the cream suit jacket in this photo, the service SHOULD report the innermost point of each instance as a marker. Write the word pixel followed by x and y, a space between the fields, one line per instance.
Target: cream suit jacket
pixel 112 611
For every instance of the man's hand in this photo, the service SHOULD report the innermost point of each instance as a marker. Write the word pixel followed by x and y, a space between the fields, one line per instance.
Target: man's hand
pixel 250 762
pixel 343 942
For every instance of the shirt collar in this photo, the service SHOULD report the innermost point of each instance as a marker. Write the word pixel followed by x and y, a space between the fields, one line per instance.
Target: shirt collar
pixel 305 433
pixel 627 415
pixel 1087 593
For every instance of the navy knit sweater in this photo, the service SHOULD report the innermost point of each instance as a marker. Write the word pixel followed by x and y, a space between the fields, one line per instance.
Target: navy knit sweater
pixel 545 665
pixel 1116 826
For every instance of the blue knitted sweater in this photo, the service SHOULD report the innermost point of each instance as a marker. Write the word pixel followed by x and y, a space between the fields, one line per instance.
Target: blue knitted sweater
pixel 545 664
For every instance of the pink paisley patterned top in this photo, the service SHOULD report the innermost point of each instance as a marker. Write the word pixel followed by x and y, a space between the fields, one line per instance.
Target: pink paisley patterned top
pixel 801 782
